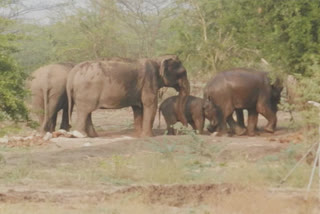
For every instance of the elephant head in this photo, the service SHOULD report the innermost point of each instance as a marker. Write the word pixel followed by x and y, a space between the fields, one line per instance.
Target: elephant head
pixel 276 89
pixel 210 112
pixel 173 74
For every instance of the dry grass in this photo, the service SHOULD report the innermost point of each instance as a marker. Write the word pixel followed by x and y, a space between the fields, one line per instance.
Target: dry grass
pixel 237 202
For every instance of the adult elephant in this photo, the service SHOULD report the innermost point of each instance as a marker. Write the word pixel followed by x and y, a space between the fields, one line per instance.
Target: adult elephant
pixel 49 95
pixel 242 88
pixel 118 82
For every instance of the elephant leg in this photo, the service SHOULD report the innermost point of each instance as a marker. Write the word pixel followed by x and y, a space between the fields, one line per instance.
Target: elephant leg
pixel 170 123
pixel 38 108
pixel 193 125
pixel 53 108
pixel 53 122
pixel 252 121
pixel 211 128
pixel 199 124
pixel 65 119
pixel 137 116
pixel 82 120
pixel 149 114
pixel 89 127
pixel 266 111
pixel 150 105
pixel 170 130
pixel 226 113
pixel 240 117
pixel 235 127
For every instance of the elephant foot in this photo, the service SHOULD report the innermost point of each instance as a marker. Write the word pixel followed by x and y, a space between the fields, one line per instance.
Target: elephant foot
pixel 220 134
pixel 269 129
pixel 66 127
pixel 240 130
pixel 170 131
pixel 78 134
pixel 146 134
pixel 92 134
pixel 211 128
pixel 223 134
pixel 251 133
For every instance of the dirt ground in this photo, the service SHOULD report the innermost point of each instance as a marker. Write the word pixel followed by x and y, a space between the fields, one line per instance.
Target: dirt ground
pixel 60 175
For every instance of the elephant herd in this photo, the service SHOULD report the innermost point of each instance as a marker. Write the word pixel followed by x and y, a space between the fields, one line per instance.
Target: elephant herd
pixel 115 83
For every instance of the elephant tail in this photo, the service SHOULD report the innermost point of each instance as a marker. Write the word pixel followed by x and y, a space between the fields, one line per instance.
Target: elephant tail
pixel 69 95
pixel 69 88
pixel 45 92
pixel 159 119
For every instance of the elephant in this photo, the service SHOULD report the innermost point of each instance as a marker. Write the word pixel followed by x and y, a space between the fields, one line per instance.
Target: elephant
pixel 119 82
pixel 237 127
pixel 243 88
pixel 196 110
pixel 49 96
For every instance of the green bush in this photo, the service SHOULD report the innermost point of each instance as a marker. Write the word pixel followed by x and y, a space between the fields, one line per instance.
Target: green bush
pixel 12 90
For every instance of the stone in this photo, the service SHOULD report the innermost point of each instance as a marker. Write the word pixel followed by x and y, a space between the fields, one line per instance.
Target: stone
pixel 28 138
pixel 77 134
pixel 17 138
pixel 87 144
pixel 4 140
pixel 47 136
pixel 62 131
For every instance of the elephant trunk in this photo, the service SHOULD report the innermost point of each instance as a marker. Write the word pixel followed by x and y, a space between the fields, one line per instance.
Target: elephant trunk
pixel 184 92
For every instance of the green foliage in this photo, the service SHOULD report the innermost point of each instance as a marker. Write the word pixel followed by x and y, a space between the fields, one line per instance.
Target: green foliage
pixel 203 39
pixel 208 35
pixel 285 32
pixel 12 90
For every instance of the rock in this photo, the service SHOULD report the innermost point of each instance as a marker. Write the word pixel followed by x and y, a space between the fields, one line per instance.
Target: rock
pixel 17 138
pixel 4 140
pixel 47 136
pixel 78 134
pixel 28 138
pixel 214 134
pixel 87 144
pixel 62 131
pixel 56 134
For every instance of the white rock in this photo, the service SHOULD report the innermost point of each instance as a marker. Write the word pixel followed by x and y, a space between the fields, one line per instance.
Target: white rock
pixel 5 139
pixel 17 138
pixel 47 136
pixel 62 131
pixel 78 134
pixel 87 144
pixel 28 138
pixel 214 134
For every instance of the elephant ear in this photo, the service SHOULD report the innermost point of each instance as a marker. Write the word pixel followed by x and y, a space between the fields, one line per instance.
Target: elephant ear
pixel 277 88
pixel 163 67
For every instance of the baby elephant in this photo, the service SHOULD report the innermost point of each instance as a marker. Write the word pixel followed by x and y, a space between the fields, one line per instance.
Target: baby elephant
pixel 196 110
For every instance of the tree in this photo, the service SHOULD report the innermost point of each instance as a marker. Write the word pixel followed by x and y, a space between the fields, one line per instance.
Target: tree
pixel 12 90
pixel 201 37
pixel 286 33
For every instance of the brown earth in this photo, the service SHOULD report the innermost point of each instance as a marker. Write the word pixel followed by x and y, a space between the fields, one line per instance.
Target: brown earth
pixel 116 136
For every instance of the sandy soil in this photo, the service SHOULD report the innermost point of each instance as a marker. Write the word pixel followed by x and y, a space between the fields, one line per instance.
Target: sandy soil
pixel 116 136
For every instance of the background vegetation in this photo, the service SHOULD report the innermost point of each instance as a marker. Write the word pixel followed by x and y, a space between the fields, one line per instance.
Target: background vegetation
pixel 208 35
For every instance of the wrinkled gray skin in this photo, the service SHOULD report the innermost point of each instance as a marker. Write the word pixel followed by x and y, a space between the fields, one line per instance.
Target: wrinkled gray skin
pixel 118 83
pixel 194 111
pixel 49 96
pixel 241 88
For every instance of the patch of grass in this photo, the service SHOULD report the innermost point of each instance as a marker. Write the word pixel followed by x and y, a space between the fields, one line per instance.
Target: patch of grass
pixel 10 129
pixel 16 174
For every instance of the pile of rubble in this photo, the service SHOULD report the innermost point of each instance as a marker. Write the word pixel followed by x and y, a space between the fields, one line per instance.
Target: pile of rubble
pixel 37 139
